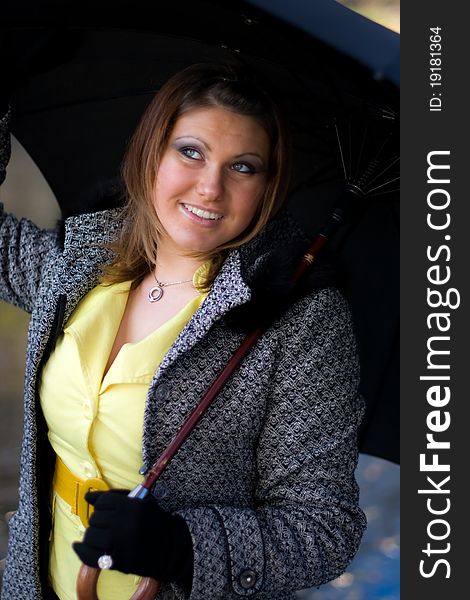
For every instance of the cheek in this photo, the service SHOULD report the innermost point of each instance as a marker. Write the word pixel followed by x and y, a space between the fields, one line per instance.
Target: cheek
pixel 247 210
pixel 252 200
pixel 171 178
pixel 165 177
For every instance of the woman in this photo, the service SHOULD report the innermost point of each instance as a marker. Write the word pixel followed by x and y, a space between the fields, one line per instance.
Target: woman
pixel 134 313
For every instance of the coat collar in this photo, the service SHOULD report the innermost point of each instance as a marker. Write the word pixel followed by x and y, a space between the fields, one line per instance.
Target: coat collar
pixel 87 235
pixel 91 230
pixel 228 292
pixel 232 288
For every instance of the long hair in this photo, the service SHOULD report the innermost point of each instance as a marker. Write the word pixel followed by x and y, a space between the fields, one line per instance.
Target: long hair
pixel 198 86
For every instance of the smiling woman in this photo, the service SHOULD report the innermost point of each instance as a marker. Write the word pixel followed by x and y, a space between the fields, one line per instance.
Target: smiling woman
pixel 135 311
pixel 205 128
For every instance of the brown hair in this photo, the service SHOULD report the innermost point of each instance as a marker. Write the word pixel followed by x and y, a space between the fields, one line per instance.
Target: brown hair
pixel 197 86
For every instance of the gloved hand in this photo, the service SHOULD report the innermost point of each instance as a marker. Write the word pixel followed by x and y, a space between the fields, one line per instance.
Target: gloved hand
pixel 142 538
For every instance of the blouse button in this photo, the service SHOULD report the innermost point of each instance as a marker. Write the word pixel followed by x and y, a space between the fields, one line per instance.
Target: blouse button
pixel 89 470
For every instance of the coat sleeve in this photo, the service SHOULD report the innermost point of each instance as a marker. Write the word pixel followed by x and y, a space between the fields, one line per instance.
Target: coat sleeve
pixel 306 525
pixel 23 245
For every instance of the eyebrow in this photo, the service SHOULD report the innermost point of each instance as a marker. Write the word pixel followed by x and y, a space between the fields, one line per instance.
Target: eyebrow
pixel 206 145
pixel 193 137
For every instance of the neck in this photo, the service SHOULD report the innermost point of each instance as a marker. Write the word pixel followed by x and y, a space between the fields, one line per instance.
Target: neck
pixel 171 266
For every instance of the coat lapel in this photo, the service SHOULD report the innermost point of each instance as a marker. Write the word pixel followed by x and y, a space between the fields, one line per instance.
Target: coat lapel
pixel 228 291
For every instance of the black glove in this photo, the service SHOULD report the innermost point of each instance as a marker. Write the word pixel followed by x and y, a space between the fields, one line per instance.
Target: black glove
pixel 142 538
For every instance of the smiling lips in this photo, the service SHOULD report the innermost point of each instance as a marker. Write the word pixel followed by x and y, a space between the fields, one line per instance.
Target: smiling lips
pixel 203 214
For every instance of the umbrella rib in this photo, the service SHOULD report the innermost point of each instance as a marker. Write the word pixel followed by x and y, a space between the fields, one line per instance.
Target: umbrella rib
pixel 388 113
pixel 350 151
pixel 383 184
pixel 385 141
pixel 360 153
pixel 341 152
pixel 383 171
pixel 387 192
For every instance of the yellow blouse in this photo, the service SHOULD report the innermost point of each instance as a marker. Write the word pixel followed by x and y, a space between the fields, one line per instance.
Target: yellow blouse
pixel 95 423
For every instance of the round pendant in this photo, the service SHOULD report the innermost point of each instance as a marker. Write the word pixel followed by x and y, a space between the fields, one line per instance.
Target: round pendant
pixel 155 293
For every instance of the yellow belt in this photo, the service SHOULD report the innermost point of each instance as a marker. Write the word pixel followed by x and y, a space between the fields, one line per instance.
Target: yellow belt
pixel 72 490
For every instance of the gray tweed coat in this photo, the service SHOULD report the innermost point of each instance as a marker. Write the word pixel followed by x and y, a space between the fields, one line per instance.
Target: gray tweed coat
pixel 266 480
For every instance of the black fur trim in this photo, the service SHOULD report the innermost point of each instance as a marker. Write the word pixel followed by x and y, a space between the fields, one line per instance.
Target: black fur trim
pixel 272 289
pixel 105 194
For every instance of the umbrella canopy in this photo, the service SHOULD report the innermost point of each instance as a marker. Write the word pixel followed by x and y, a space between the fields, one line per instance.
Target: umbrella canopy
pixel 91 73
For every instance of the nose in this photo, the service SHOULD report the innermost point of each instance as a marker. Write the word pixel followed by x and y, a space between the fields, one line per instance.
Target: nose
pixel 210 184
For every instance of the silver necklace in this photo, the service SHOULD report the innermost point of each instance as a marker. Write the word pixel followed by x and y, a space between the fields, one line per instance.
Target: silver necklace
pixel 156 292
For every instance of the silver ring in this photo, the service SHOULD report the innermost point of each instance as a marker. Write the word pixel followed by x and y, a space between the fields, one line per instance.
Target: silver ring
pixel 105 562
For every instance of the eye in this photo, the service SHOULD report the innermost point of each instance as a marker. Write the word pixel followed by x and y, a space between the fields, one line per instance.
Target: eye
pixel 190 152
pixel 243 167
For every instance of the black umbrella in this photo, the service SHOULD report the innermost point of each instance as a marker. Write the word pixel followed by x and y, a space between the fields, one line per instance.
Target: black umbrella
pixel 91 72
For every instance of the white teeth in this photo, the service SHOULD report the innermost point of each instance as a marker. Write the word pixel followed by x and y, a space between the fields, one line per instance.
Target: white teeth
pixel 205 214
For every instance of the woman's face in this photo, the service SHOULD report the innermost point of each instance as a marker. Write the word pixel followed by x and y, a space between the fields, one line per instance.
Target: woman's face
pixel 211 178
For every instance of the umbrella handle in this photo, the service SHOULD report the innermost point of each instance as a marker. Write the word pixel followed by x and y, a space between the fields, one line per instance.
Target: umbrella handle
pixel 87 582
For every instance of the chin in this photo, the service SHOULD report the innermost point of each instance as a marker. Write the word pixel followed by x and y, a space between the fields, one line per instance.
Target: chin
pixel 199 246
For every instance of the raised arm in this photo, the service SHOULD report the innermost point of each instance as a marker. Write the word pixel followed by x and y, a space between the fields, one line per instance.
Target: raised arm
pixel 23 245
